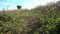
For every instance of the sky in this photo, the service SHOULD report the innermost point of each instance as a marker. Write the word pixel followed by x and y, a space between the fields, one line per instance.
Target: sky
pixel 28 4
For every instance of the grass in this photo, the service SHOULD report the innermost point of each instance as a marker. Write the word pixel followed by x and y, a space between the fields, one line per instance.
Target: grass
pixel 45 19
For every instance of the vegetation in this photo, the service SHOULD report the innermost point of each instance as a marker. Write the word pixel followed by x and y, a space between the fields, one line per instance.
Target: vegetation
pixel 40 20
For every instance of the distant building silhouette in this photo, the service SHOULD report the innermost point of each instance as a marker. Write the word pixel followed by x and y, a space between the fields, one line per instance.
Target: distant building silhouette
pixel 18 7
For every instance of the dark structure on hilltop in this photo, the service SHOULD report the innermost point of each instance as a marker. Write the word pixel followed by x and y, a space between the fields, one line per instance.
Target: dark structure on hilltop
pixel 19 7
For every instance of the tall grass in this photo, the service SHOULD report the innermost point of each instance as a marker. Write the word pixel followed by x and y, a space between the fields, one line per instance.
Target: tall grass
pixel 40 20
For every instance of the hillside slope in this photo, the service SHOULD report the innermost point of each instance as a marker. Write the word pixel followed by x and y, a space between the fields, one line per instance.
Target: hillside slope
pixel 40 20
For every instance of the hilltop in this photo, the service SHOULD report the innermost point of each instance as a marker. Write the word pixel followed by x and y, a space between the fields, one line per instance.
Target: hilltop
pixel 39 20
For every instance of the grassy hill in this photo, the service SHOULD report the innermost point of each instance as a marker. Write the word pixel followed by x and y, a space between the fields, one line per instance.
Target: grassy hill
pixel 40 20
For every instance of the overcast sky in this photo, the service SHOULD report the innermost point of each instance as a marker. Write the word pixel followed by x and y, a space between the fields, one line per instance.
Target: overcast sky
pixel 11 4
